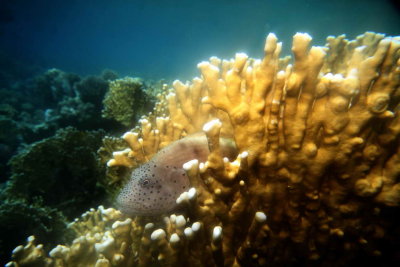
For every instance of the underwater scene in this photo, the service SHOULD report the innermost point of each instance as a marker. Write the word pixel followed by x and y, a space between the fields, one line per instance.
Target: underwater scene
pixel 199 133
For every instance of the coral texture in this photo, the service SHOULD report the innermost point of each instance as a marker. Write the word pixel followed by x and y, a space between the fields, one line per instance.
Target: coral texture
pixel 19 219
pixel 51 182
pixel 317 174
pixel 127 100
pixel 62 171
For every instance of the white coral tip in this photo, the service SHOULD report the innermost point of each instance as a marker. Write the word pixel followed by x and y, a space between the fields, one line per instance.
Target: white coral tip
pixel 217 233
pixel 216 123
pixel 190 164
pixel 196 226
pixel 158 234
pixel 192 193
pixel 260 217
pixel 149 226
pixel 244 154
pixel 180 221
pixel 188 232
pixel 174 238
pixel 182 198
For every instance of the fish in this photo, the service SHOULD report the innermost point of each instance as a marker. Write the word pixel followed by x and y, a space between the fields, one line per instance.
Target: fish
pixel 153 187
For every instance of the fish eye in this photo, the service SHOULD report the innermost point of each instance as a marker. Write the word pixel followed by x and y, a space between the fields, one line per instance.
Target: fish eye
pixel 144 182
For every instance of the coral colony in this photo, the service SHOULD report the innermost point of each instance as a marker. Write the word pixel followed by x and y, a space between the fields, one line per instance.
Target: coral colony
pixel 316 173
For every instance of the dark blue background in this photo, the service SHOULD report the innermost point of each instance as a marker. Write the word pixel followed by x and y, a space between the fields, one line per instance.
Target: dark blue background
pixel 167 38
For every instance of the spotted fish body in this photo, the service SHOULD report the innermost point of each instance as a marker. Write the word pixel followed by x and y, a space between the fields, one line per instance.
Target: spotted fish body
pixel 154 186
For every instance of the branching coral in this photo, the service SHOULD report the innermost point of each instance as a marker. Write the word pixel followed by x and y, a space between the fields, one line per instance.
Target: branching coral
pixel 317 174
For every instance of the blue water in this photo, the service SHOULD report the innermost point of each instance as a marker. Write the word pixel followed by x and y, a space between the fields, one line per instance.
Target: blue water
pixel 166 39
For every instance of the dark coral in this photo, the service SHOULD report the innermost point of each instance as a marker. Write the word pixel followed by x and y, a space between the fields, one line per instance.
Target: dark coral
pixel 62 171
pixel 52 180
pixel 19 219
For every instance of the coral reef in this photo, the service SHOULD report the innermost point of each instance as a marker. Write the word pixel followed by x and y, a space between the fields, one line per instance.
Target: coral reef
pixel 66 99
pixel 52 86
pixel 53 100
pixel 317 174
pixel 19 219
pixel 61 170
pixel 8 143
pixel 92 89
pixel 34 109
pixel 127 100
pixel 59 173
pixel 52 181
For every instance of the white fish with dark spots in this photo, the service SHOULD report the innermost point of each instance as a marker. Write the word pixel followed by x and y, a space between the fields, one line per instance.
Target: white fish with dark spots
pixel 154 186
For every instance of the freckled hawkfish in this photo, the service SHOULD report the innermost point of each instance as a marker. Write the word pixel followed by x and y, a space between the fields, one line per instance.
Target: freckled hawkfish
pixel 154 186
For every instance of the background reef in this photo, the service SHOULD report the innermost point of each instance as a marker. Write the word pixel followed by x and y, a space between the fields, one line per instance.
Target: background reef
pixel 52 124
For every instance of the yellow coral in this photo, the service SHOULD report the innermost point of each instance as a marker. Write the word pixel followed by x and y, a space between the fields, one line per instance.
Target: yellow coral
pixel 317 173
